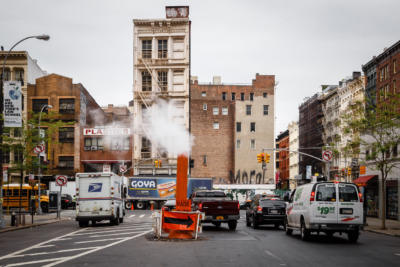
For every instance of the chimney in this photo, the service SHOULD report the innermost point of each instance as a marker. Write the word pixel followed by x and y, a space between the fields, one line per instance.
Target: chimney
pixel 217 80
pixel 356 74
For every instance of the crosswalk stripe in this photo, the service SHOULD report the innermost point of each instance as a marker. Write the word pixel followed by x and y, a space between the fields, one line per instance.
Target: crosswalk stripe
pixel 124 233
pixel 99 240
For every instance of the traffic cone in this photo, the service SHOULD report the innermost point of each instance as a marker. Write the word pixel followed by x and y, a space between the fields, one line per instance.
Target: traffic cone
pixel 132 206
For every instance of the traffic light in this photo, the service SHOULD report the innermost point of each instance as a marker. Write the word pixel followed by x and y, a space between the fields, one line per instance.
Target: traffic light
pixel 267 157
pixel 259 158
pixel 157 163
pixel 349 171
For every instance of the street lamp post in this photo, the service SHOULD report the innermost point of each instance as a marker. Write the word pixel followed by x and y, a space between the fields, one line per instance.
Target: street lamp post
pixel 43 37
pixel 39 167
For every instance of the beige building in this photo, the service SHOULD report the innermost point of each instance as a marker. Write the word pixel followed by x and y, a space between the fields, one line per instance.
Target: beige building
pixel 160 70
pixel 293 128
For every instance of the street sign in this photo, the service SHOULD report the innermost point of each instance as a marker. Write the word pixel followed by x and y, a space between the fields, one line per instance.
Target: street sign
pixel 39 149
pixel 179 221
pixel 122 169
pixel 327 155
pixel 362 169
pixel 61 180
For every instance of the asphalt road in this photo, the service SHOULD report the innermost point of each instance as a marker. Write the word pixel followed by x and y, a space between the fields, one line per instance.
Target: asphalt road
pixel 65 244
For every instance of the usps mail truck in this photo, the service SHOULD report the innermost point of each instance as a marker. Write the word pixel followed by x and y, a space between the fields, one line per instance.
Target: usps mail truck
pixel 100 196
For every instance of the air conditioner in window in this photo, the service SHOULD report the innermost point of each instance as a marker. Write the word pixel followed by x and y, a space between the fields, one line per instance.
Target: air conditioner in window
pixel 93 148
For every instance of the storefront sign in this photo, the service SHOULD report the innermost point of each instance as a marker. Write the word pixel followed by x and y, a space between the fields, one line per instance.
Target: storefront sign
pixel 12 104
pixel 106 131
pixel 106 168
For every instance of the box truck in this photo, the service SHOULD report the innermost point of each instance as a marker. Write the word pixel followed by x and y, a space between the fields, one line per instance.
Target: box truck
pixel 100 196
pixel 146 190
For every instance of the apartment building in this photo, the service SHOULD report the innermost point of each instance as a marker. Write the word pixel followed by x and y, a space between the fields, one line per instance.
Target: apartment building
pixel 19 67
pixel 293 129
pixel 282 142
pixel 161 70
pixel 231 124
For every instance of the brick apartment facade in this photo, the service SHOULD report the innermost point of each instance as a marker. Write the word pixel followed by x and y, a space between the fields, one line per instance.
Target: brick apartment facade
pixel 283 143
pixel 231 124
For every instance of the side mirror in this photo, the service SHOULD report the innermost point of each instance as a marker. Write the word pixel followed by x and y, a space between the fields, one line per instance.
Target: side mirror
pixel 286 198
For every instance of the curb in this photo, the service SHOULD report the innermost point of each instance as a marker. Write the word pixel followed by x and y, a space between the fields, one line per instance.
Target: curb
pixel 32 225
pixel 380 232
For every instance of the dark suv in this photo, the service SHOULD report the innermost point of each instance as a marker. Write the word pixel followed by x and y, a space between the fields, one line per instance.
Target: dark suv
pixel 66 201
pixel 266 211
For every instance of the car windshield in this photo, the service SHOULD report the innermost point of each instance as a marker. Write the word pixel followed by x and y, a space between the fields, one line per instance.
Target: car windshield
pixel 272 203
pixel 326 192
pixel 210 194
pixel 347 193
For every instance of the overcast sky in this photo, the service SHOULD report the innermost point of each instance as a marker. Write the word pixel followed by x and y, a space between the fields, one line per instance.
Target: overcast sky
pixel 305 43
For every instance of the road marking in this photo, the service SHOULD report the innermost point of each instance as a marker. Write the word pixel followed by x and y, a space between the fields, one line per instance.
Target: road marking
pixel 133 215
pixel 111 231
pixel 62 239
pixel 397 254
pixel 46 246
pixel 33 262
pixel 97 249
pixel 40 245
pixel 51 252
pixel 124 233
pixel 98 240
pixel 276 257
pixel 141 216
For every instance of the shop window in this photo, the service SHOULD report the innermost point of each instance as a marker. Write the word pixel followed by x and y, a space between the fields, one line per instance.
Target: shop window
pixel 93 143
pixel 67 106
pixel 66 135
pixel 66 162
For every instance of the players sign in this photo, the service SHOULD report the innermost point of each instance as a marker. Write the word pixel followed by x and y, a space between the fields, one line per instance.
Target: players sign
pixel 12 104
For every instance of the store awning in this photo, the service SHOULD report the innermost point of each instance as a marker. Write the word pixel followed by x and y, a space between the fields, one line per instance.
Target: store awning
pixel 107 161
pixel 363 180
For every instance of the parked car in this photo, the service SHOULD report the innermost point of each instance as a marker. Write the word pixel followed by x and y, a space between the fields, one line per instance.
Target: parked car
pixel 326 207
pixel 266 211
pixel 218 208
pixel 169 205
pixel 66 201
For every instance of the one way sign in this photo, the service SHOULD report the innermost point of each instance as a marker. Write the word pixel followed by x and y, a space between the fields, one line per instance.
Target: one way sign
pixel 179 221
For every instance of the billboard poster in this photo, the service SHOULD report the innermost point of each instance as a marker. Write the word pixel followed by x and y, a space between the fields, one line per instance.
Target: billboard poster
pixel 12 104
pixel 308 172
pixel 162 188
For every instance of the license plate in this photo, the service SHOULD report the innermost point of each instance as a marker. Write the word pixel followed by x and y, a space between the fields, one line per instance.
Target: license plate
pixel 220 217
pixel 273 211
pixel 346 211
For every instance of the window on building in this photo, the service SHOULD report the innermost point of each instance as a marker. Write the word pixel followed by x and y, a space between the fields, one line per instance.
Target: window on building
pixel 241 96
pixel 394 87
pixel 120 143
pixel 66 162
pixel 146 49
pixel 233 96
pixel 367 155
pixel 265 94
pixel 216 125
pixel 17 132
pixel 66 135
pixel 204 106
pixel 395 152
pixel 205 160
pixel 265 109
pixel 38 104
pixel 248 109
pixel 163 80
pixel 252 126
pixel 251 96
pixel 215 110
pixel 238 143
pixel 394 66
pixel 162 48
pixel 223 95
pixel 18 154
pixel 203 94
pixel 7 74
pixel 253 144
pixel 67 106
pixel 6 154
pixel 19 75
pixel 146 81
pixel 93 143
pixel 224 111
pixel 238 127
pixel 146 148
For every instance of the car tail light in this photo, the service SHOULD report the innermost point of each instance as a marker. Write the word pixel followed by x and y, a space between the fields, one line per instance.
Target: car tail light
pixel 360 196
pixel 259 208
pixel 312 197
pixel 238 206
pixel 66 200
pixel 200 206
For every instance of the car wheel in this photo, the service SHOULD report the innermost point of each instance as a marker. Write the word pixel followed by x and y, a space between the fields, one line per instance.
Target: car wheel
pixel 232 225
pixel 353 236
pixel 93 222
pixel 255 224
pixel 128 205
pixel 116 220
pixel 276 225
pixel 140 205
pixel 83 223
pixel 305 233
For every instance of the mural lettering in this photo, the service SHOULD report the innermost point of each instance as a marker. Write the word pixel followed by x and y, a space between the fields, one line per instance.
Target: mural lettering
pixel 242 177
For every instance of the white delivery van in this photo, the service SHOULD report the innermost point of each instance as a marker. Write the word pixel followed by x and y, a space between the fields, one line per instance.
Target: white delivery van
pixel 327 207
pixel 100 196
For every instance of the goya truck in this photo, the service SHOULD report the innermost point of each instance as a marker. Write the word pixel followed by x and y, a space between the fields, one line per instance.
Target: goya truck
pixel 146 190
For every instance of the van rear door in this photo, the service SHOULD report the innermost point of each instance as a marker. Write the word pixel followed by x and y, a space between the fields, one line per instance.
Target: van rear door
pixel 94 194
pixel 324 208
pixel 350 208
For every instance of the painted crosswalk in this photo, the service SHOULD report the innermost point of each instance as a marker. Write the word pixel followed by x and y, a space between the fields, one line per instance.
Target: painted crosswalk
pixel 80 242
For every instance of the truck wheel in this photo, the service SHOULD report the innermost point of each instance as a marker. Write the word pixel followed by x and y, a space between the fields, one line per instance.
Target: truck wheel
pixel 305 234
pixel 353 236
pixel 116 220
pixel 140 205
pixel 83 223
pixel 232 225
pixel 121 220
pixel 128 205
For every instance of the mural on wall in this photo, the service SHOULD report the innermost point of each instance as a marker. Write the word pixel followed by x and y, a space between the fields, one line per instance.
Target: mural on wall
pixel 251 177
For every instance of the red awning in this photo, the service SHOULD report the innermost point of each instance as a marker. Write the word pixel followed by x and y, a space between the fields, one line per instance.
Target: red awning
pixel 363 180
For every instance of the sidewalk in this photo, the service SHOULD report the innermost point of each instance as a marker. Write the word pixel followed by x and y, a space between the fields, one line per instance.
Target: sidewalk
pixel 374 225
pixel 43 219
